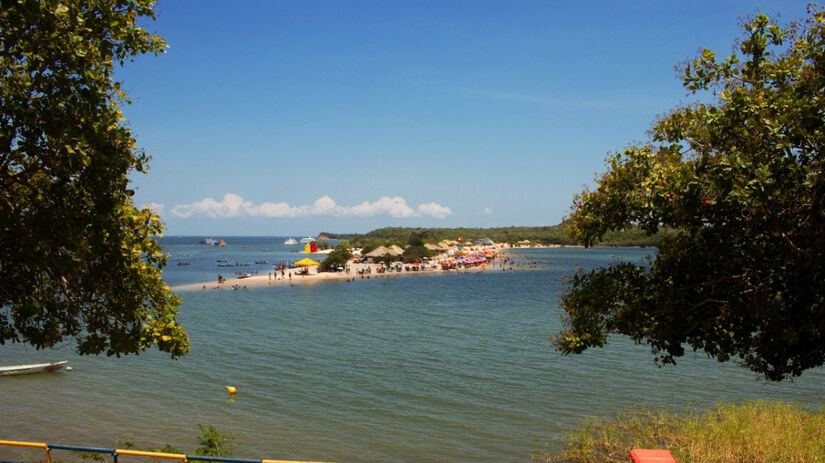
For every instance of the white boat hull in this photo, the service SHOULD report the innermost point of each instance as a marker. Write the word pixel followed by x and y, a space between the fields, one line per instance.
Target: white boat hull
pixel 33 368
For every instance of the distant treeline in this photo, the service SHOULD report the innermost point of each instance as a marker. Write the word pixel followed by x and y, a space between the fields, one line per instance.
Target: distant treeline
pixel 556 234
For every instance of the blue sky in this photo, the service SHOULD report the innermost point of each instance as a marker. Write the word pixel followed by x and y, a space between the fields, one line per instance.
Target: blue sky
pixel 292 118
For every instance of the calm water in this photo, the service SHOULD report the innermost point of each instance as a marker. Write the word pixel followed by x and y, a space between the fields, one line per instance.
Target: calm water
pixel 449 368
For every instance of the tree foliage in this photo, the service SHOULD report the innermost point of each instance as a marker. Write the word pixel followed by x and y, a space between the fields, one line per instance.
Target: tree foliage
pixel 556 234
pixel 213 443
pixel 78 259
pixel 741 182
pixel 337 258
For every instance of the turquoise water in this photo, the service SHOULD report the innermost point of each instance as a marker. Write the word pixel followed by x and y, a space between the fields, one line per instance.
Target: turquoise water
pixel 425 368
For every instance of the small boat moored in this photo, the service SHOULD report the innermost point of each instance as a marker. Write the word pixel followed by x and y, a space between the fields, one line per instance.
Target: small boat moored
pixel 33 368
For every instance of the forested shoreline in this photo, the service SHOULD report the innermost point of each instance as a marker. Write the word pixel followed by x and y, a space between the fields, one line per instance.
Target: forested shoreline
pixel 545 236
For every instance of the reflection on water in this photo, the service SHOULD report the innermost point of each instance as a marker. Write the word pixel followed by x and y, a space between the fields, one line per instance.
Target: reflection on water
pixel 424 368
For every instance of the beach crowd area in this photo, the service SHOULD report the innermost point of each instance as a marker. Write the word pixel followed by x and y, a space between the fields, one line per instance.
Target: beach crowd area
pixel 453 259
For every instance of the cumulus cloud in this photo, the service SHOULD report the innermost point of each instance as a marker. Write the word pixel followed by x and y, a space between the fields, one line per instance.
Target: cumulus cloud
pixel 325 206
pixel 233 205
pixel 276 210
pixel 395 207
pixel 156 208
pixel 486 211
pixel 434 209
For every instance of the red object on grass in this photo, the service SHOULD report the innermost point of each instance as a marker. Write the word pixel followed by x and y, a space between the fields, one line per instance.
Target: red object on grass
pixel 651 456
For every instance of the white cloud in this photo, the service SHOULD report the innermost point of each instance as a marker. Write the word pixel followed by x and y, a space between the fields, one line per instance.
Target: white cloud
pixel 233 205
pixel 395 207
pixel 487 211
pixel 157 208
pixel 277 210
pixel 326 206
pixel 433 209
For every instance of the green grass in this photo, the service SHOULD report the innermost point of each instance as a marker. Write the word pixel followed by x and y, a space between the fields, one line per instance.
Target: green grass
pixel 750 432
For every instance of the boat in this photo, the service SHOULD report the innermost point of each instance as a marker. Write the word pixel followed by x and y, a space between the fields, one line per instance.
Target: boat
pixel 33 368
pixel 290 241
pixel 233 264
pixel 209 241
pixel 219 243
pixel 308 239
pixel 244 275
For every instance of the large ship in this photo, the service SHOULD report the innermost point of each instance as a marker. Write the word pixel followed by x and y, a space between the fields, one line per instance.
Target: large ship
pixel 290 241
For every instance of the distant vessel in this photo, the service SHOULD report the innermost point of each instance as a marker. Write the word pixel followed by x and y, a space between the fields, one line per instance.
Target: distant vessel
pixel 290 241
pixel 209 241
pixel 308 239
pixel 226 263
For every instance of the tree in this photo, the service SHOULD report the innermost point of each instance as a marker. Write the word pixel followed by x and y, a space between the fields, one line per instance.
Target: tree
pixel 215 444
pixel 78 259
pixel 337 258
pixel 741 182
pixel 415 253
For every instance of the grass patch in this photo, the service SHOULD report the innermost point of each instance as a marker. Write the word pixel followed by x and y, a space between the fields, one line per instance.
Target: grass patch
pixel 750 432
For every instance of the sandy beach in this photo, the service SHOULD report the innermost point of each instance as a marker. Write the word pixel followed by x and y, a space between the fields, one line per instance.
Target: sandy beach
pixel 292 276
pixel 356 271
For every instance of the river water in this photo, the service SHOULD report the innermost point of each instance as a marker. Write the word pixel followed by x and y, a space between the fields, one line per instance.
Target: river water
pixel 425 368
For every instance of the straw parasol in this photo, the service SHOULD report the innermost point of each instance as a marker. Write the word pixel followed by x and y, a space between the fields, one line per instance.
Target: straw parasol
pixel 381 251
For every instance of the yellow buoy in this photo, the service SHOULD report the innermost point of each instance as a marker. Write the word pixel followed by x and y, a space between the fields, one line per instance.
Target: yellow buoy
pixel 231 390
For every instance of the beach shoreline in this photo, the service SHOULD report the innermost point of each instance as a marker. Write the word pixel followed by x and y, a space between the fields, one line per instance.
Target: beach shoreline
pixel 366 271
pixel 356 271
pixel 293 277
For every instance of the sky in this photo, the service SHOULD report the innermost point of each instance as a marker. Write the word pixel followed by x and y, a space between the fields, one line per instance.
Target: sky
pixel 276 118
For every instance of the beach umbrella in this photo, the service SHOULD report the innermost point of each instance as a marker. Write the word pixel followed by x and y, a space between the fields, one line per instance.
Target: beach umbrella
pixel 306 262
